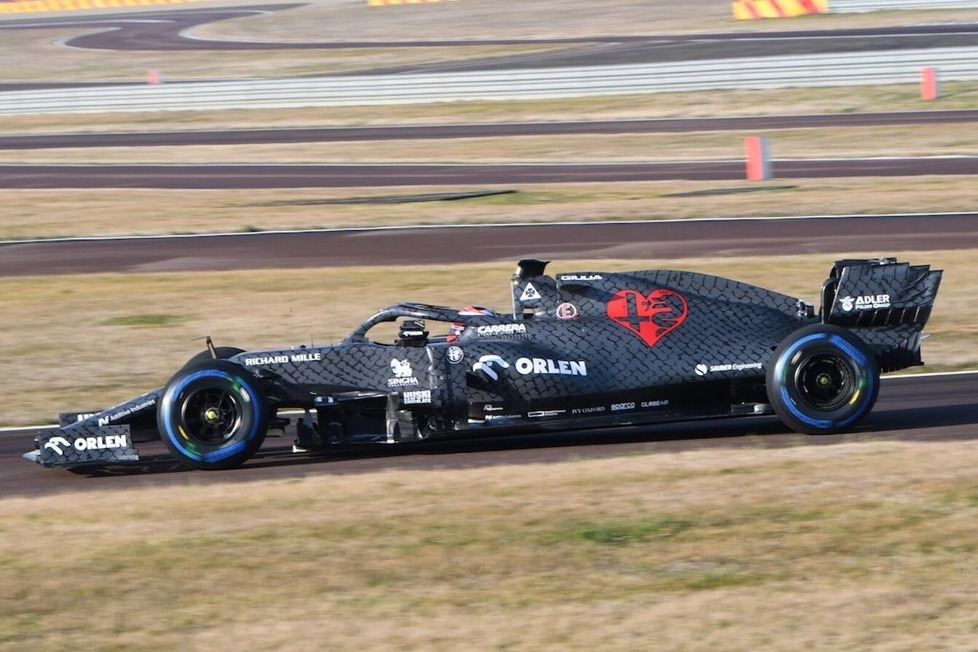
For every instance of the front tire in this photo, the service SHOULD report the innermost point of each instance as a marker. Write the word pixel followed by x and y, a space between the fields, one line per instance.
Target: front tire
pixel 213 414
pixel 223 353
pixel 822 379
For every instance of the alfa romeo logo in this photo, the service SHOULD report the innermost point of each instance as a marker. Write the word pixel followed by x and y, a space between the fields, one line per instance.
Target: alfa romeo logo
pixel 455 354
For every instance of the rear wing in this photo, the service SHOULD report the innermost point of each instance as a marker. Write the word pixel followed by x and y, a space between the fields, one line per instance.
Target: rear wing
pixel 885 302
pixel 879 292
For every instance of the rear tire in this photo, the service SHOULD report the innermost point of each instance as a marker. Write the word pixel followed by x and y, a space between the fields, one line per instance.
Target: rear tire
pixel 213 414
pixel 822 379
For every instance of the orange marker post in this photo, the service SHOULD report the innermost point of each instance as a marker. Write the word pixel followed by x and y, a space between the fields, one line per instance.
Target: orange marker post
pixel 758 161
pixel 928 83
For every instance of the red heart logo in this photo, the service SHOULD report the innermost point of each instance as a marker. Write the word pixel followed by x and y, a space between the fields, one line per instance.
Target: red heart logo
pixel 651 317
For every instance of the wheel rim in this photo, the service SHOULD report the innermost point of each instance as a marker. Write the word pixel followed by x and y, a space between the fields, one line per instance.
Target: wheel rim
pixel 826 382
pixel 211 416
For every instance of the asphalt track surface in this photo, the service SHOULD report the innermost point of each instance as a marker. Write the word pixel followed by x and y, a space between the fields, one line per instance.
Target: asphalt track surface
pixel 926 409
pixel 480 130
pixel 663 240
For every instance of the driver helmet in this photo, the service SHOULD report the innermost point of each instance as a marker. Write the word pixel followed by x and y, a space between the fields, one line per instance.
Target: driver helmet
pixel 455 330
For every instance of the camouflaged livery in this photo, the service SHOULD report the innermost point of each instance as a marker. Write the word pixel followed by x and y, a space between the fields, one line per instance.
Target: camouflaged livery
pixel 582 349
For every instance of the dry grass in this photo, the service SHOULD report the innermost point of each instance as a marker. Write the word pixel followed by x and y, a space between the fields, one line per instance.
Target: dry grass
pixel 58 213
pixel 89 341
pixel 796 548
pixel 840 142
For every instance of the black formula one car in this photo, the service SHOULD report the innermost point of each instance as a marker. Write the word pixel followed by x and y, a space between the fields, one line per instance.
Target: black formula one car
pixel 581 350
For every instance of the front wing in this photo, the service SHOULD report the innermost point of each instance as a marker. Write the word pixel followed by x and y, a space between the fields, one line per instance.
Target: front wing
pixel 93 439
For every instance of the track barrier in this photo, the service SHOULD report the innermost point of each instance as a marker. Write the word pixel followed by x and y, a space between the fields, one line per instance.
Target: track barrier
pixel 33 6
pixel 812 71
pixel 758 161
pixel 755 9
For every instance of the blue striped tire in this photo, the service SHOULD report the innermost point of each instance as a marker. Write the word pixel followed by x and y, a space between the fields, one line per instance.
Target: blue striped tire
pixel 822 379
pixel 213 415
